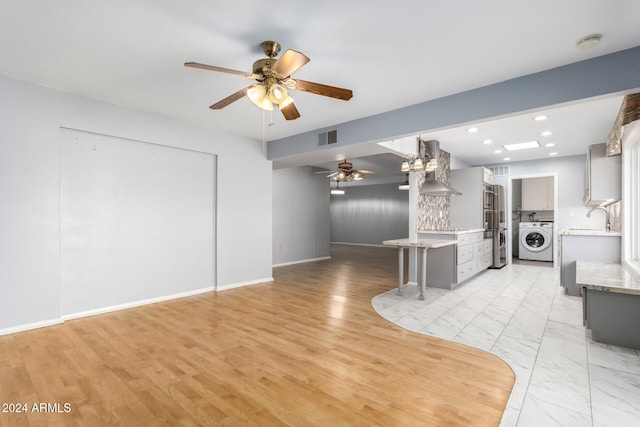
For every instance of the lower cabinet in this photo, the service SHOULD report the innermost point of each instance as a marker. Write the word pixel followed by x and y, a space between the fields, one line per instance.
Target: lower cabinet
pixel 473 254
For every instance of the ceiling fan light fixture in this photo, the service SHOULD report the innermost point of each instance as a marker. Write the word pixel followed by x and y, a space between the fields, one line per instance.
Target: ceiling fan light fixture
pixel 287 101
pixel 278 94
pixel 257 93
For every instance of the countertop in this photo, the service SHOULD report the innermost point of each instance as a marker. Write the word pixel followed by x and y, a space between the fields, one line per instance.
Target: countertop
pixel 600 276
pixel 589 232
pixel 455 231
pixel 419 243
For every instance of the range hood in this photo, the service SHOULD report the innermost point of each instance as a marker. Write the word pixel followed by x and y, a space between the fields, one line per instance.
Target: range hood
pixel 431 186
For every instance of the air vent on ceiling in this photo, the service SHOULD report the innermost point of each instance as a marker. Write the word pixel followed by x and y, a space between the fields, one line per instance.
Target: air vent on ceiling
pixel 500 170
pixel 326 138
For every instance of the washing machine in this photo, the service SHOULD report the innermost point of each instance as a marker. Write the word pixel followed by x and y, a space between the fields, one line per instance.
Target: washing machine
pixel 536 241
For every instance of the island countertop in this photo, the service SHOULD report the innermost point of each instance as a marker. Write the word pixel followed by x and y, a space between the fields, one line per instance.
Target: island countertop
pixel 600 276
pixel 419 243
pixel 589 232
pixel 456 231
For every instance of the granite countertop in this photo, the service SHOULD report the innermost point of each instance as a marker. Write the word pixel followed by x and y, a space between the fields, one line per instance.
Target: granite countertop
pixel 589 232
pixel 454 231
pixel 419 243
pixel 598 276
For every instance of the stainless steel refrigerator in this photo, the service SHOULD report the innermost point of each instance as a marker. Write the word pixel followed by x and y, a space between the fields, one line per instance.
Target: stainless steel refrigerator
pixel 499 228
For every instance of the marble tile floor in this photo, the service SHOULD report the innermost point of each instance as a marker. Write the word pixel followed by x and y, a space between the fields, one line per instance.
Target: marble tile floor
pixel 521 314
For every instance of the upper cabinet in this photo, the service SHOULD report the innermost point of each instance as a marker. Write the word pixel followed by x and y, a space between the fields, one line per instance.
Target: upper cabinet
pixel 602 178
pixel 537 194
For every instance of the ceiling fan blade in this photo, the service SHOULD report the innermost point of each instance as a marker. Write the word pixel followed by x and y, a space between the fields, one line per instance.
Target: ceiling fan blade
pixel 324 90
pixel 290 112
pixel 289 63
pixel 229 99
pixel 220 69
pixel 364 171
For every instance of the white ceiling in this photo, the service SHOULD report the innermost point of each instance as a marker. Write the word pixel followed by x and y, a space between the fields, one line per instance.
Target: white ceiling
pixel 391 54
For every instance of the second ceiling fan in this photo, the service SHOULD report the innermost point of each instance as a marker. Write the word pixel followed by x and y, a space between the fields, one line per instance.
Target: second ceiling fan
pixel 274 80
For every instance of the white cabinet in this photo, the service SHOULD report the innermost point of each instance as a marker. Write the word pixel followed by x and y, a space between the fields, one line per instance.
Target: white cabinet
pixel 602 178
pixel 487 254
pixel 470 255
pixel 467 210
pixel 537 194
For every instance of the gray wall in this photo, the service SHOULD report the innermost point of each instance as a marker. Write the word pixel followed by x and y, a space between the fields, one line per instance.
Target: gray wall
pixel 370 214
pixel 300 215
pixel 31 122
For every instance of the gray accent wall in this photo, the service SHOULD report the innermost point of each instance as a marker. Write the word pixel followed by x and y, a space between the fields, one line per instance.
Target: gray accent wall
pixel 300 215
pixel 613 73
pixel 370 214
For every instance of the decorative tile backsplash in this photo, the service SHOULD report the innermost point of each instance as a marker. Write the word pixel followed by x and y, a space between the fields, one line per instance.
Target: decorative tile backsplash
pixel 433 211
pixel 615 216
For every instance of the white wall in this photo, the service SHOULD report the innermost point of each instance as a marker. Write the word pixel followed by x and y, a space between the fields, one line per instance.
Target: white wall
pixel 300 215
pixel 31 118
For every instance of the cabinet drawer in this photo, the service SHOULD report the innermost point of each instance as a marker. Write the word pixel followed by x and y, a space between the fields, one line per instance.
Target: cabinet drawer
pixel 488 245
pixel 466 239
pixel 465 271
pixel 465 253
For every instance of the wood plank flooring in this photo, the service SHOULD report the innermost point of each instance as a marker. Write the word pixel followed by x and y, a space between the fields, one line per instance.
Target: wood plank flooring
pixel 305 350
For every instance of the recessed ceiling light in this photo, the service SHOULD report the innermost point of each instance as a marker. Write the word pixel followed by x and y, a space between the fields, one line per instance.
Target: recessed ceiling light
pixel 487 141
pixel 507 158
pixel 551 144
pixel 497 151
pixel 546 133
pixel 472 130
pixel 521 146
pixel 589 41
pixel 553 154
pixel 540 118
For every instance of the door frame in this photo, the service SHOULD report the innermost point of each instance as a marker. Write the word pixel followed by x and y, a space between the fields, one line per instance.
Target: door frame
pixel 509 212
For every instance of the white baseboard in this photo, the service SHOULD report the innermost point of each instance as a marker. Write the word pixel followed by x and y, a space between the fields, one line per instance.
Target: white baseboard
pixel 241 284
pixel 29 326
pixel 133 304
pixel 302 261
pixel 103 310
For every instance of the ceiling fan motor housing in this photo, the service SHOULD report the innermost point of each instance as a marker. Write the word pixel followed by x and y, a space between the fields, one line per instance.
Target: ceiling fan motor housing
pixel 345 165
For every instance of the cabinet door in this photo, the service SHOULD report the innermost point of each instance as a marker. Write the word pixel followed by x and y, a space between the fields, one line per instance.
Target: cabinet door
pixel 537 194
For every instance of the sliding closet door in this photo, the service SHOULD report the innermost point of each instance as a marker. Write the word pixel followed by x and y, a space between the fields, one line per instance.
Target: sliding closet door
pixel 137 221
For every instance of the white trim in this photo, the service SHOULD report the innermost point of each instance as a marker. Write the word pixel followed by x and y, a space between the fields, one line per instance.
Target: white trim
pixel 509 209
pixel 29 326
pixel 136 304
pixel 241 284
pixel 301 261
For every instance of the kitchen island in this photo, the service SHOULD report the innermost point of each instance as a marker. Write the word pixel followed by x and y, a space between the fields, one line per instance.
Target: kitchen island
pixel 473 254
pixel 585 245
pixel 424 244
pixel 611 302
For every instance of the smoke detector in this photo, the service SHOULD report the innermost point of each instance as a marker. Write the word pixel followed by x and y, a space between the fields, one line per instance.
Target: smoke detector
pixel 589 41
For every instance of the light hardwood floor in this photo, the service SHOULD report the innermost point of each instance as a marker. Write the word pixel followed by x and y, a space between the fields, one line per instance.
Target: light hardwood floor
pixel 307 349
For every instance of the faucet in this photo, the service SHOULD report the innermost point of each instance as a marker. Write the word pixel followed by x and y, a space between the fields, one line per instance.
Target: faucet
pixel 607 215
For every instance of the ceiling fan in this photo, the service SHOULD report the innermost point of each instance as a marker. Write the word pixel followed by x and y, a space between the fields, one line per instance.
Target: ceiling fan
pixel 346 172
pixel 273 78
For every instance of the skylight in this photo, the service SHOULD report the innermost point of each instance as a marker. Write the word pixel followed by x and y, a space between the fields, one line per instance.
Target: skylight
pixel 521 146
